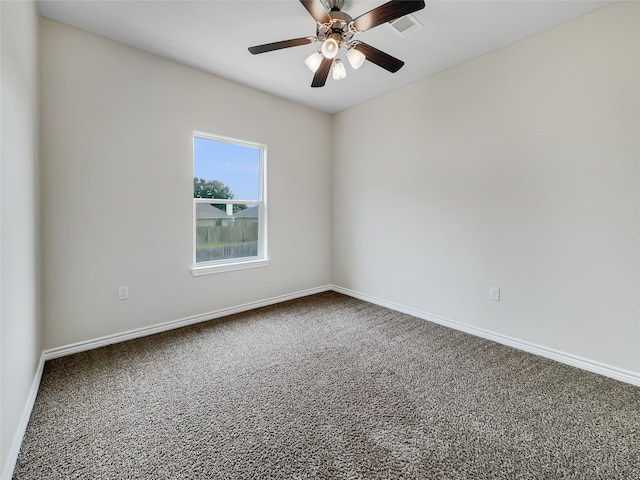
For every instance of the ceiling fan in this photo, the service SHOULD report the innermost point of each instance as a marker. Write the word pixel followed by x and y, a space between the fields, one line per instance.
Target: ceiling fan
pixel 336 30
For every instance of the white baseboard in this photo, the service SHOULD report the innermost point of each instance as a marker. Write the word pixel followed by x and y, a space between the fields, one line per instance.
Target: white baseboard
pixel 14 450
pixel 562 357
pixel 173 324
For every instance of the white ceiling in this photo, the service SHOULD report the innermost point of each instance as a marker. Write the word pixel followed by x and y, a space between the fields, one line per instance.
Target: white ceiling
pixel 214 35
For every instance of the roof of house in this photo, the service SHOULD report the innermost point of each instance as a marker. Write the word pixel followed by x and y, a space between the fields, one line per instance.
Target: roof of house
pixel 248 212
pixel 205 210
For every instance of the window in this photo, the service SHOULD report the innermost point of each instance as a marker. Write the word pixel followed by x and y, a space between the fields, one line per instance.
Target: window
pixel 230 232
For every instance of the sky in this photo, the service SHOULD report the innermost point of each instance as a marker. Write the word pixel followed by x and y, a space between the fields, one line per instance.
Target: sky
pixel 237 166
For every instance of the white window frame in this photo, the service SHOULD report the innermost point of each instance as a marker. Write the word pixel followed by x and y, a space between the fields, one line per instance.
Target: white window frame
pixel 226 265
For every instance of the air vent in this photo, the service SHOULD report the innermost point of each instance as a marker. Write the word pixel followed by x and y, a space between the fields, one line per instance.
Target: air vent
pixel 405 25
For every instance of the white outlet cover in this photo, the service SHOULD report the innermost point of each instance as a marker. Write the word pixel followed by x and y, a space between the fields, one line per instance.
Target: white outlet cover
pixel 123 293
pixel 494 294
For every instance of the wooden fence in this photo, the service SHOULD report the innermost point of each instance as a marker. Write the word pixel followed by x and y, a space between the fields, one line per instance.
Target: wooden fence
pixel 219 239
pixel 225 231
pixel 222 252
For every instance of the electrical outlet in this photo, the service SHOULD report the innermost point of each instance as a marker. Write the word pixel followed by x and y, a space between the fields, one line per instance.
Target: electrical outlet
pixel 123 292
pixel 494 294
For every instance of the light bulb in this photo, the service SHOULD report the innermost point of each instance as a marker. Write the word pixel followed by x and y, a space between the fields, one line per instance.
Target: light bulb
pixel 356 58
pixel 339 71
pixel 331 45
pixel 313 61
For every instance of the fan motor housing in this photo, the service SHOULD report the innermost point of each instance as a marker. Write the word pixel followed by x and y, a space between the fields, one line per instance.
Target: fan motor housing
pixel 340 23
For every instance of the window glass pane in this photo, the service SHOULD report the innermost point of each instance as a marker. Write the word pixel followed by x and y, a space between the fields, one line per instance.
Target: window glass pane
pixel 225 170
pixel 228 190
pixel 220 236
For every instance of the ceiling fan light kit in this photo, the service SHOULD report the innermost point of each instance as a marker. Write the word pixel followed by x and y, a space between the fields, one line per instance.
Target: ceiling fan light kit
pixel 356 58
pixel 331 46
pixel 338 71
pixel 335 29
pixel 313 61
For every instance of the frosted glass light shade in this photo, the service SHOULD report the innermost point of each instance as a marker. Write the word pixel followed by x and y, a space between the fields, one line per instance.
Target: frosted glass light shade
pixel 313 61
pixel 339 71
pixel 331 45
pixel 356 58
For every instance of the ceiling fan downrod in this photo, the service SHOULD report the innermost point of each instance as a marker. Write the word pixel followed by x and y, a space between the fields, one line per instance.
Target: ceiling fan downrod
pixel 334 5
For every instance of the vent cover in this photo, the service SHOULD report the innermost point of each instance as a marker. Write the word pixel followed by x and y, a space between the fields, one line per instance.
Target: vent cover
pixel 403 26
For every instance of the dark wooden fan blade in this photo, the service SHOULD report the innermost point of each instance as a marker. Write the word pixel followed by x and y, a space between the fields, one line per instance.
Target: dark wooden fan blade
pixel 320 78
pixel 386 13
pixel 269 47
pixel 317 10
pixel 380 58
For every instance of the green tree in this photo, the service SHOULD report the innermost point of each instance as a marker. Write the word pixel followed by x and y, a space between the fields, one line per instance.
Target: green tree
pixel 214 189
pixel 210 189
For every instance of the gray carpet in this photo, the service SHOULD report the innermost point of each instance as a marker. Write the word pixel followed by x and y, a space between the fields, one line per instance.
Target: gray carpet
pixel 326 387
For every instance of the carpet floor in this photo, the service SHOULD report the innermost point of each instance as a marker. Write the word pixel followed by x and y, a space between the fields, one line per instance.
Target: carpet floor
pixel 326 387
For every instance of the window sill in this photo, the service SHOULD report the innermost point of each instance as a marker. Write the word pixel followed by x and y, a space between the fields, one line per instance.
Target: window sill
pixel 200 270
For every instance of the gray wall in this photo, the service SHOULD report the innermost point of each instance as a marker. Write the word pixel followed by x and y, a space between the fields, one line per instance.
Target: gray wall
pixel 19 220
pixel 519 170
